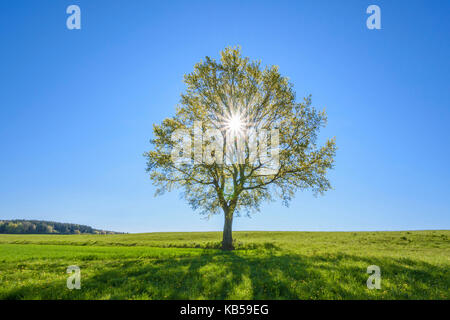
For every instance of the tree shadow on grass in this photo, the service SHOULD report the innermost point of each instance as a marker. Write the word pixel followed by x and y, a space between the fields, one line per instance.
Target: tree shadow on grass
pixel 263 274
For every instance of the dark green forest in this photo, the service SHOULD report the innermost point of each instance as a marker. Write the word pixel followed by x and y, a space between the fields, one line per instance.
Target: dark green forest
pixel 47 227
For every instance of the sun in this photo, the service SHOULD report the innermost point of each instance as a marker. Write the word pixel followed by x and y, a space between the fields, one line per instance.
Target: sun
pixel 235 124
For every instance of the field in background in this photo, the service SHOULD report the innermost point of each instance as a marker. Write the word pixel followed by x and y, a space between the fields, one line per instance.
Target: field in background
pixel 268 265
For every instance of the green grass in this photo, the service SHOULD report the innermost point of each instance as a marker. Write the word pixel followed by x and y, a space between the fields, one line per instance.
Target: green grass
pixel 267 265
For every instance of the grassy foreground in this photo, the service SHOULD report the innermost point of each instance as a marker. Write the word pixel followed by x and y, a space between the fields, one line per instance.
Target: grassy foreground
pixel 267 265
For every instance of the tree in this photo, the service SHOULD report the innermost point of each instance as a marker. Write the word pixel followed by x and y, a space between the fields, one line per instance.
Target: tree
pixel 231 102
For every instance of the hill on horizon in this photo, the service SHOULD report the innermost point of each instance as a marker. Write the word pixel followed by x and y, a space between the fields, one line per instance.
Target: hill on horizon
pixel 19 226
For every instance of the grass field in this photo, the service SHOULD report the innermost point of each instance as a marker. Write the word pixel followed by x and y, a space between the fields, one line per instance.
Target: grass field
pixel 267 265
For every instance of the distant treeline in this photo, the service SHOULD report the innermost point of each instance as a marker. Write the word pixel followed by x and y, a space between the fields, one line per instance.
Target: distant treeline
pixel 47 227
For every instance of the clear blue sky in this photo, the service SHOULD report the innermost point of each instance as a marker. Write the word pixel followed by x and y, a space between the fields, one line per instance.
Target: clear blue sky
pixel 77 107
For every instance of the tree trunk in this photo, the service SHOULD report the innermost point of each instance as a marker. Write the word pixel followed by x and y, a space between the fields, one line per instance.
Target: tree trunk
pixel 227 242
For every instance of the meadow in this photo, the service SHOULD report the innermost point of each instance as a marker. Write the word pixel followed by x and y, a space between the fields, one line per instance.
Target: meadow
pixel 266 265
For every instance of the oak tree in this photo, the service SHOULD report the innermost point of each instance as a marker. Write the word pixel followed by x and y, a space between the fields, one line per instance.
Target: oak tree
pixel 246 140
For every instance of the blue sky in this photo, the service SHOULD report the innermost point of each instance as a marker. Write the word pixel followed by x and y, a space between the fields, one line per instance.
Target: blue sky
pixel 77 107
